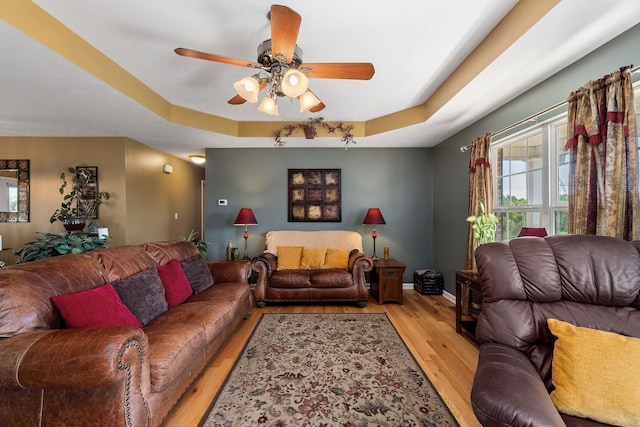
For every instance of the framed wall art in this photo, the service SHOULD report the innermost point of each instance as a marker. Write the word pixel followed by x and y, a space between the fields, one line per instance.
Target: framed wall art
pixel 87 202
pixel 315 195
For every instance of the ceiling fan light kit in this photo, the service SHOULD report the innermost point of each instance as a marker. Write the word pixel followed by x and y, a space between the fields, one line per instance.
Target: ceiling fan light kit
pixel 269 105
pixel 294 83
pixel 308 100
pixel 248 88
pixel 282 72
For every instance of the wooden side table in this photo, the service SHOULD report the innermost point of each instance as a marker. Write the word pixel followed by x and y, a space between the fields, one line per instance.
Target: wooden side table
pixel 467 283
pixel 386 280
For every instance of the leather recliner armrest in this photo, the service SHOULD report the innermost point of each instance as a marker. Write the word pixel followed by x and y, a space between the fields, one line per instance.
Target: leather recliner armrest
pixel 508 391
pixel 75 358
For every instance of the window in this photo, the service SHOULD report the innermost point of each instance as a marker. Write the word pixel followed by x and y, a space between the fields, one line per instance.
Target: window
pixel 531 177
pixel 526 164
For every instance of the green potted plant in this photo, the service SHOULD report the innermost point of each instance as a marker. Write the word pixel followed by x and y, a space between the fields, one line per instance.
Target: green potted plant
pixel 198 242
pixel 81 202
pixel 54 244
pixel 484 226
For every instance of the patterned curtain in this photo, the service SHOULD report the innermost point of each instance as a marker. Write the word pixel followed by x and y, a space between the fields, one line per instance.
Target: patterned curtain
pixel 480 189
pixel 603 186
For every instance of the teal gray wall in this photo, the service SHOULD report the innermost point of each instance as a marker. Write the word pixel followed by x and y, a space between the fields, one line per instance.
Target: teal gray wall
pixel 451 179
pixel 398 181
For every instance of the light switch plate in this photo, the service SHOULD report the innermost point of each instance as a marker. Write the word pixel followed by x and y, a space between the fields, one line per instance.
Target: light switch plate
pixel 222 202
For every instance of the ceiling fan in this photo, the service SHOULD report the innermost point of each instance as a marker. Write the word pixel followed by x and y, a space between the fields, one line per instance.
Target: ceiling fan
pixel 282 71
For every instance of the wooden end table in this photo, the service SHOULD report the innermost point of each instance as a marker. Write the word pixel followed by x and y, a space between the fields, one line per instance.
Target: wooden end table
pixel 466 280
pixel 386 280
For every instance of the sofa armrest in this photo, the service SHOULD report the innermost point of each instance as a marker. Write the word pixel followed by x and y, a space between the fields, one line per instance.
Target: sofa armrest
pixel 360 261
pixel 230 271
pixel 269 260
pixel 264 265
pixel 75 359
pixel 508 391
pixel 359 264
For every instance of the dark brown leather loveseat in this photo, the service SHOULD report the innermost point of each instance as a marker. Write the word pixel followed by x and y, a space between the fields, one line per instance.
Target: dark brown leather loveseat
pixel 347 283
pixel 588 281
pixel 51 375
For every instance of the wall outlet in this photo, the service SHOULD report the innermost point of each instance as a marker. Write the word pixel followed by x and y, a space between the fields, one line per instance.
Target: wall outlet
pixel 176 215
pixel 222 202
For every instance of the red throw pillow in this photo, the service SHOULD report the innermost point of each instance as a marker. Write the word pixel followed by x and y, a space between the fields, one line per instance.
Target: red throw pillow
pixel 176 285
pixel 99 307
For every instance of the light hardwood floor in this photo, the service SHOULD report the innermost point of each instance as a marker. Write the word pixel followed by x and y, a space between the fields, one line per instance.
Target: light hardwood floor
pixel 426 324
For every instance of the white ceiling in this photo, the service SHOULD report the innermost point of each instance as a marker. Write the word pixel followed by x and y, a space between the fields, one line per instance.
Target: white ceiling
pixel 414 45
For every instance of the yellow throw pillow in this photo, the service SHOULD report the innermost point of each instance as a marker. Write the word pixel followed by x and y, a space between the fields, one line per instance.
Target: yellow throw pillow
pixel 289 257
pixel 337 258
pixel 312 258
pixel 594 374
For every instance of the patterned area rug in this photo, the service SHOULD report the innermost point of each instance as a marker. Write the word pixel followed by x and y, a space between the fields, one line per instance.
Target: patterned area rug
pixel 327 370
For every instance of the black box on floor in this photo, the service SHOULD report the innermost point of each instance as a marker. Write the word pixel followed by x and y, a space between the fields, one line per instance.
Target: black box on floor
pixel 428 282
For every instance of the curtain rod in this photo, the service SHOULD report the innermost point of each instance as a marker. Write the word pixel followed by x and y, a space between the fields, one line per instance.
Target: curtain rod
pixel 533 117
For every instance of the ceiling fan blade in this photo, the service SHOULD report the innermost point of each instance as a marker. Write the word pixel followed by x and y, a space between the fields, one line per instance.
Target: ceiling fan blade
pixel 238 100
pixel 317 108
pixel 217 58
pixel 339 70
pixel 285 23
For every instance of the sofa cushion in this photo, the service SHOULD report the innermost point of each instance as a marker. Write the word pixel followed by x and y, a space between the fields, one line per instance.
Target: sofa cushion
pixel 337 258
pixel 120 262
pixel 339 239
pixel 594 374
pixel 289 257
pixel 335 278
pixel 290 279
pixel 25 303
pixel 312 258
pixel 164 252
pixel 173 347
pixel 198 273
pixel 176 285
pixel 210 316
pixel 94 308
pixel 143 293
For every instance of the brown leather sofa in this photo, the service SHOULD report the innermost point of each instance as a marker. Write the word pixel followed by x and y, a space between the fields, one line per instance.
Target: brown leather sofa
pixel 588 281
pixel 116 376
pixel 302 285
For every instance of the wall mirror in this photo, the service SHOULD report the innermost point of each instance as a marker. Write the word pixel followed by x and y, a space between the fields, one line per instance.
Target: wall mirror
pixel 14 190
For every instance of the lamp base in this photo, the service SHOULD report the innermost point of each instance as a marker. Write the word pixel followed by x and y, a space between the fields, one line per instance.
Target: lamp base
pixel 374 256
pixel 246 252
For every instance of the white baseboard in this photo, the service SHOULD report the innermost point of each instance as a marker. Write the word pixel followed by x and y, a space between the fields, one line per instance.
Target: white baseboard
pixel 445 294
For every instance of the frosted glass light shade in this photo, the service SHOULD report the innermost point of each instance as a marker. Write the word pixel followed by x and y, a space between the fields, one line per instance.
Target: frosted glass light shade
pixel 294 83
pixel 248 88
pixel 308 100
pixel 198 159
pixel 269 106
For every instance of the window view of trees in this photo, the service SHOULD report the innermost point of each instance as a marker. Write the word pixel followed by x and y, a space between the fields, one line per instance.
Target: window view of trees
pixel 531 185
pixel 519 185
